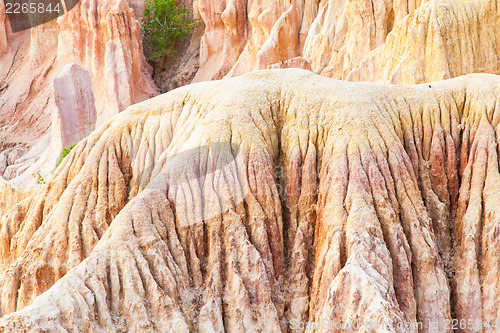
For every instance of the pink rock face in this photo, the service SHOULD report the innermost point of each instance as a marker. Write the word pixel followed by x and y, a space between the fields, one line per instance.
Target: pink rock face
pixel 102 36
pixel 75 115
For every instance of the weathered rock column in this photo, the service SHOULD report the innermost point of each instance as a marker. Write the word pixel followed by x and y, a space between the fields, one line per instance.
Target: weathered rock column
pixel 75 115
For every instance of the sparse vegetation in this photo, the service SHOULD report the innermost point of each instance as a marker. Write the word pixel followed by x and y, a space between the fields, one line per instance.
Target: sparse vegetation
pixel 40 180
pixel 65 152
pixel 164 23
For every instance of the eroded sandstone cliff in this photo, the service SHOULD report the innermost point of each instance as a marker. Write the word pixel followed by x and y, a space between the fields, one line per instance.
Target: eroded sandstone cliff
pixel 102 36
pixel 400 41
pixel 326 200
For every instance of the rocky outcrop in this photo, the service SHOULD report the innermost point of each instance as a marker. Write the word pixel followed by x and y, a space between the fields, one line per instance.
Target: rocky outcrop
pixel 327 201
pixel 104 37
pixel 384 41
pixel 73 119
pixel 443 39
pixel 101 36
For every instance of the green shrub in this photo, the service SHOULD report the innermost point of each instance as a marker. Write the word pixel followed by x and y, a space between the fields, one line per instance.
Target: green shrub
pixel 164 23
pixel 40 180
pixel 65 152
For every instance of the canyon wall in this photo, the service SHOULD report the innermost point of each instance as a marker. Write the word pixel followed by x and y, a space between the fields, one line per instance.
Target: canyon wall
pixel 325 200
pixel 400 41
pixel 103 37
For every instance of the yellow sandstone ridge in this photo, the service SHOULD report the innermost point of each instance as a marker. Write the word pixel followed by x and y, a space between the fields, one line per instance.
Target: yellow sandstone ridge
pixel 400 41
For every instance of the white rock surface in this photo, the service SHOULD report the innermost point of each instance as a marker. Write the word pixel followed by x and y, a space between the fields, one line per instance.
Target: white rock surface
pixel 75 116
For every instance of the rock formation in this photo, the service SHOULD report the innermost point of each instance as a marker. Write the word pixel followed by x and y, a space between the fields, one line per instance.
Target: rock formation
pixel 73 119
pixel 75 116
pixel 103 37
pixel 386 41
pixel 342 202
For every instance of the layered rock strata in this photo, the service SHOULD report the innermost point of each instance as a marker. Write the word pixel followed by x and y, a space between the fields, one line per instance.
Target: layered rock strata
pixel 329 201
